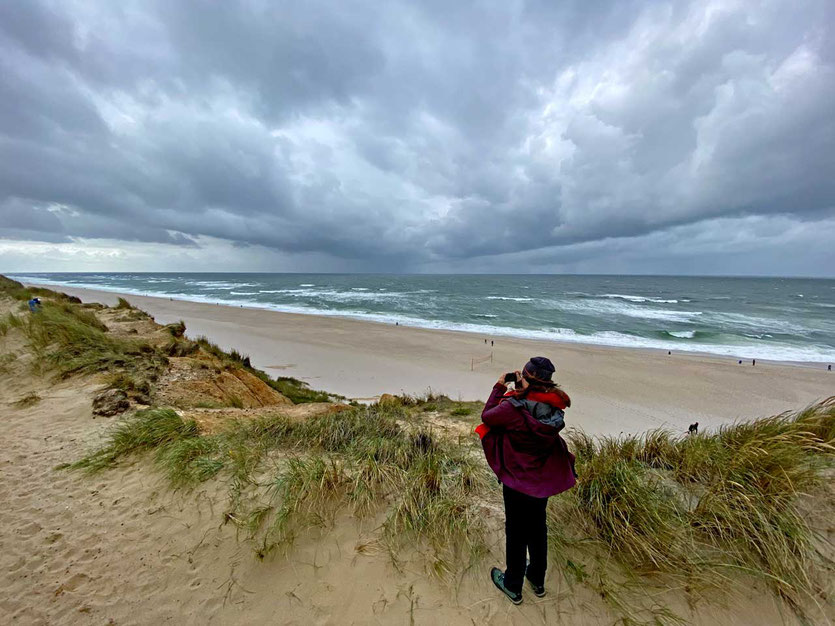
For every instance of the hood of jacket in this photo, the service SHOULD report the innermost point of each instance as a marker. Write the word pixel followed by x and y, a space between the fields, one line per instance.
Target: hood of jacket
pixel 546 407
pixel 542 412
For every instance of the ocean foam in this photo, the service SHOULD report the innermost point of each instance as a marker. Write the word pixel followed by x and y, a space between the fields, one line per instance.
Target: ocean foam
pixel 508 298
pixel 638 298
pixel 613 307
pixel 219 284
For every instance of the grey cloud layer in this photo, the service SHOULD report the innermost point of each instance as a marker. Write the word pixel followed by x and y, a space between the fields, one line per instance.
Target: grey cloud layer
pixel 404 134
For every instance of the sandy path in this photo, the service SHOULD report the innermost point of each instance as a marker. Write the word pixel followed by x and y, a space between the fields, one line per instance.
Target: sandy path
pixel 614 390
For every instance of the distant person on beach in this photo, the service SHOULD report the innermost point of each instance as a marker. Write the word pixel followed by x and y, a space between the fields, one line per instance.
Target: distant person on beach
pixel 520 437
pixel 753 362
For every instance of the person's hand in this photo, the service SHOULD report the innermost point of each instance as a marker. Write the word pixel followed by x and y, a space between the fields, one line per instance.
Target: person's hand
pixel 501 381
pixel 521 383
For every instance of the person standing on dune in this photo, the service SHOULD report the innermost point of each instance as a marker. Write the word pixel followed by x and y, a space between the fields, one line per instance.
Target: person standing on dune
pixel 520 436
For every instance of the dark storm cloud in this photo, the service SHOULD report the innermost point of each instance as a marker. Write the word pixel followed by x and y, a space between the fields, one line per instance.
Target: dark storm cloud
pixel 403 135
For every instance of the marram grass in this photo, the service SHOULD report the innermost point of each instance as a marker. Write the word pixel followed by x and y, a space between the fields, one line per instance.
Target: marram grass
pixel 701 509
pixel 362 460
pixel 706 508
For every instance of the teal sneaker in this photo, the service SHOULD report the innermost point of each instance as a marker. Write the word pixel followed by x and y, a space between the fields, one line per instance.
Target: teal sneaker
pixel 497 576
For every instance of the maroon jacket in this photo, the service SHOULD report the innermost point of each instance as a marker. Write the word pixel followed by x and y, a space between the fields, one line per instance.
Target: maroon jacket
pixel 526 454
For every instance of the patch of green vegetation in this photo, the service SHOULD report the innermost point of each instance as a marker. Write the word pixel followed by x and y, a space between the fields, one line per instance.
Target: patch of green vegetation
pixel 134 315
pixel 207 404
pixel 123 304
pixel 651 512
pixel 180 347
pixel 13 321
pixel 71 340
pixel 146 430
pixel 187 459
pixel 360 458
pixel 440 401
pixel 17 291
pixel 133 384
pixel 82 315
pixel 299 392
pixel 215 350
pixel 460 411
pixel 177 329
pixel 702 509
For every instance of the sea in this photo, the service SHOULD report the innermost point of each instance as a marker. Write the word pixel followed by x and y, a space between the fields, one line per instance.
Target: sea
pixel 783 319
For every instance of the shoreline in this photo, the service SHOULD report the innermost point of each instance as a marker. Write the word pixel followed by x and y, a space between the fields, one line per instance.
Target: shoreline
pixel 679 350
pixel 615 389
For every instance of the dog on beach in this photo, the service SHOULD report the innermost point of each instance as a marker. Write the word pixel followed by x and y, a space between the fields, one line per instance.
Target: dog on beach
pixel 694 429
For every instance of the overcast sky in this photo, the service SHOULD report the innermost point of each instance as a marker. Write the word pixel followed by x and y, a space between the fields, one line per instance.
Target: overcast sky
pixel 505 136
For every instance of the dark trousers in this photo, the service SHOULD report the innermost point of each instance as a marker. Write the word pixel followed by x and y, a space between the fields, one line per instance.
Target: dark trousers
pixel 525 532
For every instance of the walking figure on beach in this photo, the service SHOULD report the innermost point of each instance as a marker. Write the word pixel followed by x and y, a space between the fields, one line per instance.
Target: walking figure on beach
pixel 520 436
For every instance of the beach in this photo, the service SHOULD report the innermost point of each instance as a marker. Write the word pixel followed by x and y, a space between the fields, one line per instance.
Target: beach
pixel 613 390
pixel 142 513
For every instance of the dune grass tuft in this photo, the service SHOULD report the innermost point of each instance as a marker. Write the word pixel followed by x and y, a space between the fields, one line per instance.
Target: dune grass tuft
pixel 17 291
pixel 297 391
pixel 363 459
pixel 13 321
pixel 703 508
pixel 146 430
pixel 73 341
